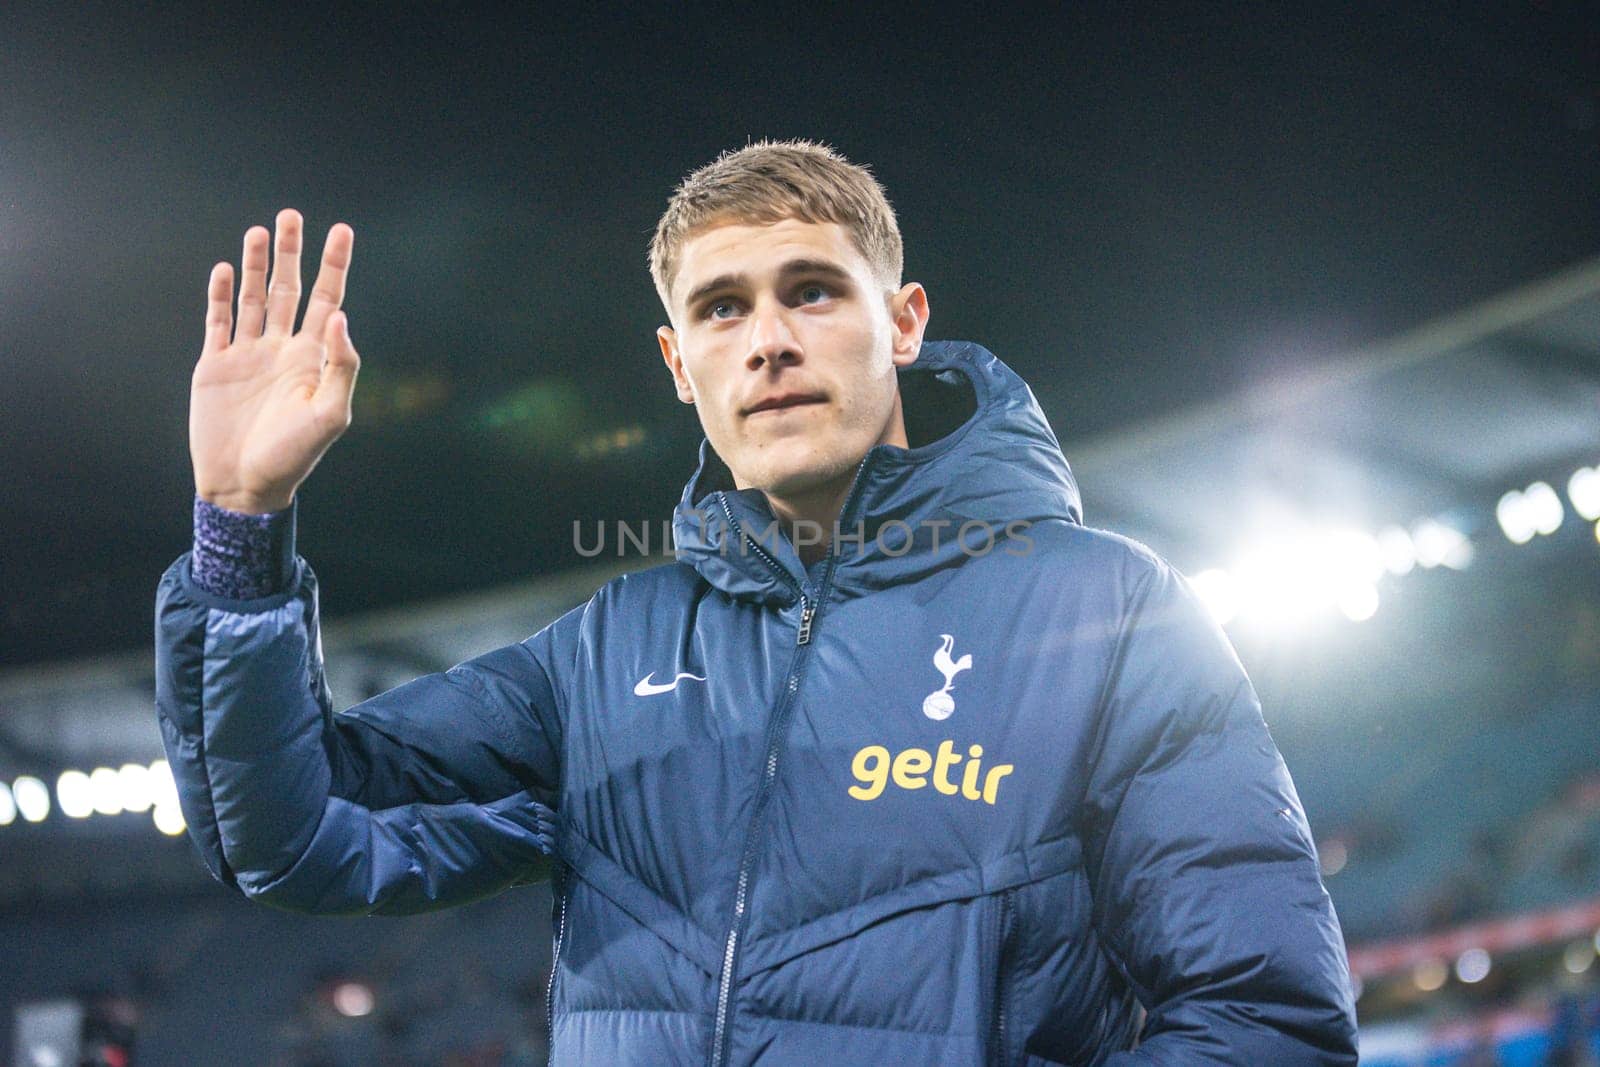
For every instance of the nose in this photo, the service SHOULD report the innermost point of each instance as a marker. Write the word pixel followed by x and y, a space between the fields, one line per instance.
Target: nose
pixel 771 340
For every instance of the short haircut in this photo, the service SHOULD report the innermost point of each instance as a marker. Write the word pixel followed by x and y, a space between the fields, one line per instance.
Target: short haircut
pixel 770 181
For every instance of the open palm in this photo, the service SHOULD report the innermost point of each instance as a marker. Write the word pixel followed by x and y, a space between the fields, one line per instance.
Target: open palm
pixel 266 401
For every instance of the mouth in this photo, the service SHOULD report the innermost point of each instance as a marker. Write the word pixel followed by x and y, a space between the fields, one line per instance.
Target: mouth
pixel 784 402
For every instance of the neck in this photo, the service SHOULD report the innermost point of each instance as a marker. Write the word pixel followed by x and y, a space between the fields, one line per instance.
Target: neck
pixel 809 516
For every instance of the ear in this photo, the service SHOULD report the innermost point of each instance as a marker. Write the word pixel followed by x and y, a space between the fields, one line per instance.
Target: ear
pixel 674 360
pixel 908 318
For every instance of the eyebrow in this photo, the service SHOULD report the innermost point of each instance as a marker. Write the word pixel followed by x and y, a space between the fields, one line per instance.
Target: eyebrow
pixel 822 267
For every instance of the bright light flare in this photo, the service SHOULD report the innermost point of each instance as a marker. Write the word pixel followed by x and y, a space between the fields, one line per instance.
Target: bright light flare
pixel 1473 966
pixel 1399 554
pixel 1515 518
pixel 1293 577
pixel 1544 507
pixel 1578 957
pixel 1439 544
pixel 73 795
pixel 32 798
pixel 1583 489
pixel 353 999
pixel 134 787
pixel 1430 975
pixel 169 820
pixel 1332 855
pixel 1359 603
pixel 1216 587
pixel 105 791
pixel 164 799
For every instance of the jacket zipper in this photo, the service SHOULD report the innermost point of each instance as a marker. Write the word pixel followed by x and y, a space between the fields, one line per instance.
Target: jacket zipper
pixel 997 1035
pixel 776 730
pixel 560 887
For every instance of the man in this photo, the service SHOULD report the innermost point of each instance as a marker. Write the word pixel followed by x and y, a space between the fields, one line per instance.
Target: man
pixel 898 763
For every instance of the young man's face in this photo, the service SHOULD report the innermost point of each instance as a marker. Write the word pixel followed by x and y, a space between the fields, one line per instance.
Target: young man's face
pixel 787 346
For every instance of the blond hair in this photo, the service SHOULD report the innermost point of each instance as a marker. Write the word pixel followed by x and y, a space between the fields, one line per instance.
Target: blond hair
pixel 770 181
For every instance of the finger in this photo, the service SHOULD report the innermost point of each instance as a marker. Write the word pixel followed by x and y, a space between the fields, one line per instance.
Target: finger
pixel 328 292
pixel 332 400
pixel 253 281
pixel 283 295
pixel 219 309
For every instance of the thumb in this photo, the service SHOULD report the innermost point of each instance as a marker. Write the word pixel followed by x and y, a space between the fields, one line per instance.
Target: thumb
pixel 338 384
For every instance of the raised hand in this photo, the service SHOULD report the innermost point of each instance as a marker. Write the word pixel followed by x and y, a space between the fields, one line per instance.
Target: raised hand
pixel 266 401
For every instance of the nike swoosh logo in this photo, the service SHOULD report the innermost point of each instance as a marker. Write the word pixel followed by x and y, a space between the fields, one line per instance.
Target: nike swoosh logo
pixel 647 688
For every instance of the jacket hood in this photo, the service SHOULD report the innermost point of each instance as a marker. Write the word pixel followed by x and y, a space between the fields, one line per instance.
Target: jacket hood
pixel 983 461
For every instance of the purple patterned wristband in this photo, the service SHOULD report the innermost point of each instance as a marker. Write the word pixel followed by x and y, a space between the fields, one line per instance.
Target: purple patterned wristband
pixel 239 556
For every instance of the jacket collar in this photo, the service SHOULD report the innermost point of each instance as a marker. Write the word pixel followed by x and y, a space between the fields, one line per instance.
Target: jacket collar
pixel 983 458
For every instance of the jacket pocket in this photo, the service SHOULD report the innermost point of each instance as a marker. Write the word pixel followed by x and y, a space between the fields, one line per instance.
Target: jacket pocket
pixel 980 885
pixel 1003 922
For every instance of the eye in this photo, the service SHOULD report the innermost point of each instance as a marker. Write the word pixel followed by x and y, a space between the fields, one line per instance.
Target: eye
pixel 714 310
pixel 811 294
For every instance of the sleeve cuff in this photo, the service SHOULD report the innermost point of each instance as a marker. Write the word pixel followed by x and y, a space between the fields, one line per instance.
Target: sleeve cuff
pixel 240 556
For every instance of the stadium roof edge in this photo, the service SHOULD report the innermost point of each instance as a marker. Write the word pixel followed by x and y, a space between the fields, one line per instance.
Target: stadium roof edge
pixel 1428 341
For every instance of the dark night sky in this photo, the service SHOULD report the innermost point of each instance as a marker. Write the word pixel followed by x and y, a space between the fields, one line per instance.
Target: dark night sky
pixel 1136 208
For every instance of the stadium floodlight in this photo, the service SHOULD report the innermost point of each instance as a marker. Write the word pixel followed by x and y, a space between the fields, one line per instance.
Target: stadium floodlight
pixel 73 795
pixel 1332 855
pixel 164 799
pixel 168 819
pixel 1472 966
pixel 1440 544
pixel 1355 555
pixel 1296 573
pixel 105 789
pixel 1515 518
pixel 1359 603
pixel 1430 975
pixel 1579 957
pixel 1275 585
pixel 133 787
pixel 353 999
pixel 1351 561
pixel 1544 507
pixel 1215 586
pixel 32 797
pixel 1399 554
pixel 8 807
pixel 163 789
pixel 1583 489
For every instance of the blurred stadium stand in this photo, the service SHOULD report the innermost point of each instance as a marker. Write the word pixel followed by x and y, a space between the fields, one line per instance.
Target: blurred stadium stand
pixel 1441 716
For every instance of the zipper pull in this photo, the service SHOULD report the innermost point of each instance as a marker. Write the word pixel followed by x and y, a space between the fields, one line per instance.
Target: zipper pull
pixel 807 610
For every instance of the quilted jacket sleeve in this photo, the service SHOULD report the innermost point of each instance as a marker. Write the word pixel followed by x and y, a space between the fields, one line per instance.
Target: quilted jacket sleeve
pixel 1205 878
pixel 435 793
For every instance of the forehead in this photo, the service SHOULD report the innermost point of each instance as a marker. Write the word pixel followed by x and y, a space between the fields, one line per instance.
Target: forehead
pixel 755 249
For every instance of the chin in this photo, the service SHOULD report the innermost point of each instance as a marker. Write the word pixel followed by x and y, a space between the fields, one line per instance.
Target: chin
pixel 803 472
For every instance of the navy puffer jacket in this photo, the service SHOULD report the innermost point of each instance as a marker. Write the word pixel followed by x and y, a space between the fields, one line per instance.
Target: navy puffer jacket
pixel 968 791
